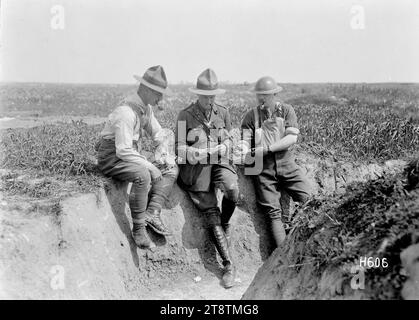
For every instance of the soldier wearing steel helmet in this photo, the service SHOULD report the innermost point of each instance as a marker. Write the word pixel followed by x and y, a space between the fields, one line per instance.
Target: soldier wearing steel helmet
pixel 271 129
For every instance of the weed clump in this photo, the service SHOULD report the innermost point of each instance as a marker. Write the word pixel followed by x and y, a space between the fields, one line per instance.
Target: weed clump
pixel 375 219
pixel 13 184
pixel 66 148
pixel 358 132
pixel 50 159
pixel 412 171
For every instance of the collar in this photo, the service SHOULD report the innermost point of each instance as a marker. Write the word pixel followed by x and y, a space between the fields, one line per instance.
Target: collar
pixel 213 109
pixel 135 102
pixel 277 109
pixel 197 112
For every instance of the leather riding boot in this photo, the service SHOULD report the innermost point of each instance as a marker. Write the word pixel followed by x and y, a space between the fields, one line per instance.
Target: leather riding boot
pixel 154 221
pixel 222 247
pixel 229 275
pixel 140 235
pixel 227 232
pixel 278 231
pixel 227 208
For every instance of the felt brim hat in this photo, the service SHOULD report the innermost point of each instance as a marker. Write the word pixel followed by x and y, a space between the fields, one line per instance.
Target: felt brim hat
pixel 207 92
pixel 207 84
pixel 266 85
pixel 155 78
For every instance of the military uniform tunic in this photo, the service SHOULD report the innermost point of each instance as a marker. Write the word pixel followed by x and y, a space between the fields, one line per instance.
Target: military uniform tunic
pixel 196 129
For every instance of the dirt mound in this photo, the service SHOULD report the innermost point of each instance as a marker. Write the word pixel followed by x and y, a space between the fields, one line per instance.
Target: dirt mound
pixel 360 244
pixel 81 247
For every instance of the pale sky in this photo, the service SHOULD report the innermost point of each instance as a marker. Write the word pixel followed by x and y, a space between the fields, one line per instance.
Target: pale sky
pixel 107 41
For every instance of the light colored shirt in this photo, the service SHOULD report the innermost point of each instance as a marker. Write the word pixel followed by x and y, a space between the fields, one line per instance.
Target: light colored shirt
pixel 282 122
pixel 126 125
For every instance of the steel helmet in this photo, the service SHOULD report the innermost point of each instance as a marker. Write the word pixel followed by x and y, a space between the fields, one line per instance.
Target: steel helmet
pixel 266 85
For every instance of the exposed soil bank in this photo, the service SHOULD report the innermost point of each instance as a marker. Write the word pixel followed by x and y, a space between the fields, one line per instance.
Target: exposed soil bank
pixel 87 240
pixel 81 248
pixel 278 279
pixel 322 258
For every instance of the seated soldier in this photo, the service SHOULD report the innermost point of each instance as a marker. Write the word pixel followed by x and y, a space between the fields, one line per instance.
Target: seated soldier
pixel 270 130
pixel 118 155
pixel 203 143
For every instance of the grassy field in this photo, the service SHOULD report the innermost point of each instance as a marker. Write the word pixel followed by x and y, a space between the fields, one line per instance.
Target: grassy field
pixel 349 122
pixel 352 122
pixel 77 99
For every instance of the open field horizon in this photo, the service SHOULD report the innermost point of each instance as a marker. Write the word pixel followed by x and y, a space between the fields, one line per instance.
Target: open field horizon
pixel 221 83
pixel 42 97
pixel 353 122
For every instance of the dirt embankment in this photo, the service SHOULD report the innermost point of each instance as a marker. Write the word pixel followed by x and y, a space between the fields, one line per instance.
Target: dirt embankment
pixel 363 244
pixel 87 240
pixel 280 279
pixel 82 248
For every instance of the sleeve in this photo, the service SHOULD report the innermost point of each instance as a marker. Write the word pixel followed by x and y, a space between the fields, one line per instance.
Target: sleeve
pixel 154 129
pixel 181 131
pixel 124 128
pixel 291 124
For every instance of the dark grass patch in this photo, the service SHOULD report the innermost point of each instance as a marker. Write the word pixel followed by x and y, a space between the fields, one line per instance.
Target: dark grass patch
pixel 358 132
pixel 46 185
pixel 370 126
pixel 14 185
pixel 352 134
pixel 66 148
pixel 412 171
pixel 373 219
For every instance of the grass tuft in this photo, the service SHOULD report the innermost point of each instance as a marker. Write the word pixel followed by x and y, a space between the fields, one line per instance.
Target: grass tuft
pixel 372 219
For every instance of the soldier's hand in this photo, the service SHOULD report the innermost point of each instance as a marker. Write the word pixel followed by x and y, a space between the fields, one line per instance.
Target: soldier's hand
pixel 221 149
pixel 197 154
pixel 240 151
pixel 241 148
pixel 249 158
pixel 170 160
pixel 155 173
pixel 158 160
pixel 201 154
pixel 253 154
